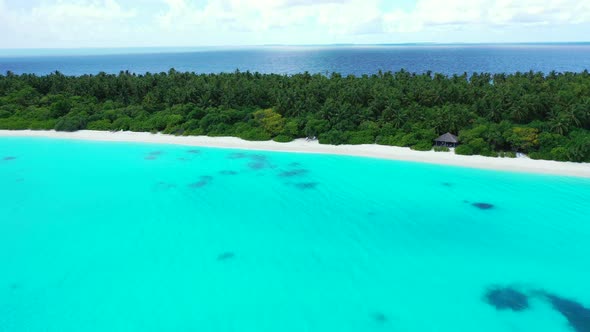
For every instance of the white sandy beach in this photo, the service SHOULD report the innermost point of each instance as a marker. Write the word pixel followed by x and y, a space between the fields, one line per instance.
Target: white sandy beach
pixel 302 146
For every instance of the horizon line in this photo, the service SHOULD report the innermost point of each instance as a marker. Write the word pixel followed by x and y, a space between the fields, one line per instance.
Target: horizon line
pixel 293 45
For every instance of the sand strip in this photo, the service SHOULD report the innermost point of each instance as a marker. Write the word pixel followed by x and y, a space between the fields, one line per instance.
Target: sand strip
pixel 302 146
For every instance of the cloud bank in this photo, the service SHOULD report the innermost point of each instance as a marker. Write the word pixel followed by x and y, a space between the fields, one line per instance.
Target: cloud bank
pixel 100 23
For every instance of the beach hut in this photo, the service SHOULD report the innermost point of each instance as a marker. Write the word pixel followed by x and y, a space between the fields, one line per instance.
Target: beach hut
pixel 448 140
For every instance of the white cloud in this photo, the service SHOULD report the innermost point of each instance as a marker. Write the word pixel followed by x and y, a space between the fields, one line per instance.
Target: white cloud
pixel 354 17
pixel 88 23
pixel 344 16
pixel 436 14
pixel 104 10
pixel 72 23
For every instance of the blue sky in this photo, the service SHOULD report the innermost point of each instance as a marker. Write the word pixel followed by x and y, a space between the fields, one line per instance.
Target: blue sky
pixel 127 23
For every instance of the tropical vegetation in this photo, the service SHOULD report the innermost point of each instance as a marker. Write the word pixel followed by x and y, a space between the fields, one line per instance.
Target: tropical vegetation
pixel 544 116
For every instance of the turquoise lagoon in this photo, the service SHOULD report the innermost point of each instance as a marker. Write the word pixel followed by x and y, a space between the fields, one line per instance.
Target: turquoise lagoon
pixel 99 236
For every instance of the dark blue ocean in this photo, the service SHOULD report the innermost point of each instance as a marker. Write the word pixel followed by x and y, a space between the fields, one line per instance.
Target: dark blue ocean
pixel 357 60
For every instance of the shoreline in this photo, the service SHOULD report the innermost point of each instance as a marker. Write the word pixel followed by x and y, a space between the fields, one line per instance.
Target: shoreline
pixel 522 165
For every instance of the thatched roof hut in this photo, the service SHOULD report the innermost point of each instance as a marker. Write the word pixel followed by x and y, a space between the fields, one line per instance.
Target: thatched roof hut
pixel 447 139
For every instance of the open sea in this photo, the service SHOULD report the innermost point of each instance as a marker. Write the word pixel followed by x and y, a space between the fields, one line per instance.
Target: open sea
pixel 357 60
pixel 98 236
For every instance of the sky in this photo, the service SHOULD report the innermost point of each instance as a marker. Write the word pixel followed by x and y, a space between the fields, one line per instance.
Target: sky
pixel 177 23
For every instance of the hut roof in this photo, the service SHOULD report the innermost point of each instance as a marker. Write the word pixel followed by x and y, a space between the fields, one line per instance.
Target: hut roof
pixel 448 138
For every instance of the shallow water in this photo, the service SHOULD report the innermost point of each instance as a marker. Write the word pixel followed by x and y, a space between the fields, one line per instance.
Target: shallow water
pixel 99 236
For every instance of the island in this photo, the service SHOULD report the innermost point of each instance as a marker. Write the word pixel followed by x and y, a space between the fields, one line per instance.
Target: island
pixel 543 116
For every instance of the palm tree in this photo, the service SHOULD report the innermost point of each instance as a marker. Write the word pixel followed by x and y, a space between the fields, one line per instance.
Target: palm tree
pixel 559 124
pixel 583 112
pixel 571 114
pixel 518 113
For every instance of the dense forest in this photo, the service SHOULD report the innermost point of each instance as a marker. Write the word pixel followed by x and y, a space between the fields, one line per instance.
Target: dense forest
pixel 544 116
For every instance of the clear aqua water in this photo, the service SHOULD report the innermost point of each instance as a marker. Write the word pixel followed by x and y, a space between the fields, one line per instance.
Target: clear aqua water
pixel 357 60
pixel 101 236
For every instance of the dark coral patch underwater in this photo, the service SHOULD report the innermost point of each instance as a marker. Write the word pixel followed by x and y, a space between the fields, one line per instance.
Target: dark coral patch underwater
pixel 257 165
pixel 224 256
pixel 205 180
pixel 257 161
pixel 9 158
pixel 227 172
pixel 258 157
pixel 483 206
pixel 15 286
pixel 306 185
pixel 292 173
pixel 576 314
pixel 506 298
pixel 165 185
pixel 237 155
pixel 153 155
pixel 379 317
